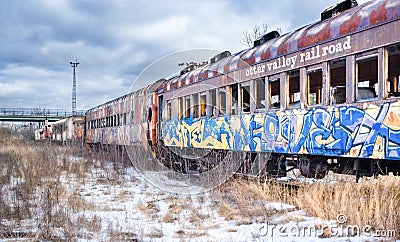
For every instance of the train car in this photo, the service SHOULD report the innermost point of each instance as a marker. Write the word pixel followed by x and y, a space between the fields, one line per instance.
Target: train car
pixel 70 129
pixel 125 120
pixel 323 97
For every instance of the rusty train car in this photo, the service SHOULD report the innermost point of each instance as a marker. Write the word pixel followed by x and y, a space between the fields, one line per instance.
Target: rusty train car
pixel 323 97
pixel 70 129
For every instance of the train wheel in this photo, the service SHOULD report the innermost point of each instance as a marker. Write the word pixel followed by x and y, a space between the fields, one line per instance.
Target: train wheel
pixel 312 167
pixel 276 166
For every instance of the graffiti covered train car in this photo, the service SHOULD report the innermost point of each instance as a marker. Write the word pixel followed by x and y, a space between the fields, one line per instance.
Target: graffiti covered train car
pixel 323 97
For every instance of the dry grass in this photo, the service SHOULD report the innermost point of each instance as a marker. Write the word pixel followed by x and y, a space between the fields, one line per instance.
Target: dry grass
pixel 155 233
pixel 373 202
pixel 32 193
pixel 245 200
pixel 148 207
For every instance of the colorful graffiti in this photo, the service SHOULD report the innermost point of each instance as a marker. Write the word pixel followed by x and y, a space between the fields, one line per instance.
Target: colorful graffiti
pixel 373 132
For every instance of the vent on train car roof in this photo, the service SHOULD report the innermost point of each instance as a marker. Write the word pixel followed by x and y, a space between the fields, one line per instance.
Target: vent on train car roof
pixel 187 69
pixel 338 8
pixel 266 37
pixel 220 56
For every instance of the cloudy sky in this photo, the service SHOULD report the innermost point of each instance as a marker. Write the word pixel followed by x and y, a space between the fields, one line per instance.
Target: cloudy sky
pixel 114 40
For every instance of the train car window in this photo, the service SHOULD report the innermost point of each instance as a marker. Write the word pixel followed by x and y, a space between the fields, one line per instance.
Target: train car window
pixel 337 81
pixel 149 114
pixel 222 101
pixel 274 93
pixel 260 93
pixel 245 97
pixel 294 89
pixel 203 103
pixel 234 99
pixel 196 105
pixel 314 78
pixel 367 79
pixel 393 71
pixel 180 107
pixel 168 110
pixel 213 104
pixel 187 107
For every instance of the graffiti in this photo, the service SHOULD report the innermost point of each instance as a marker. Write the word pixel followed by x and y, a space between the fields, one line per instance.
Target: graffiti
pixel 373 132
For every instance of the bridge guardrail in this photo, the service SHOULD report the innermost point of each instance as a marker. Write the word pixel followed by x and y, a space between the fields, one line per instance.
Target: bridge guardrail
pixel 39 112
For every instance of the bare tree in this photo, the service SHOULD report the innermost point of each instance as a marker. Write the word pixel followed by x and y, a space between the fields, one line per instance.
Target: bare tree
pixel 255 33
pixel 249 36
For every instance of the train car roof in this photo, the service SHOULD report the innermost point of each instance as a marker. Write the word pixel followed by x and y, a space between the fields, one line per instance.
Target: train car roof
pixel 356 19
pixel 152 87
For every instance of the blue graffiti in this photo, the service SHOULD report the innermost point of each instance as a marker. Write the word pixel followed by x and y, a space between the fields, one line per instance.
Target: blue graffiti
pixel 321 132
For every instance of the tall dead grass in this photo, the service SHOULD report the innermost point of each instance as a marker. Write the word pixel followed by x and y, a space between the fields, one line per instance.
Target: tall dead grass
pixel 245 201
pixel 32 197
pixel 372 202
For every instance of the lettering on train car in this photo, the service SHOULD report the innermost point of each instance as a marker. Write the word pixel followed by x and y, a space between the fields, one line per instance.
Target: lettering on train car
pixel 294 61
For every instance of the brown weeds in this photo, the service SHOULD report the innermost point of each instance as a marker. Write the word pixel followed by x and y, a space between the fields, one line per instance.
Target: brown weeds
pixel 372 202
pixel 32 197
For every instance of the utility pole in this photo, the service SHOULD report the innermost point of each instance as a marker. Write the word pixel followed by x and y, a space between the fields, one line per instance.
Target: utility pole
pixel 74 65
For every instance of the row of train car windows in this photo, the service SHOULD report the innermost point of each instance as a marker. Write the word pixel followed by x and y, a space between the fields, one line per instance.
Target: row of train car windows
pixel 265 93
pixel 110 121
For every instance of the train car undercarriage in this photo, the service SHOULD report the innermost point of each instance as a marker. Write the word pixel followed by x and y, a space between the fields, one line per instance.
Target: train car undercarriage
pixel 272 165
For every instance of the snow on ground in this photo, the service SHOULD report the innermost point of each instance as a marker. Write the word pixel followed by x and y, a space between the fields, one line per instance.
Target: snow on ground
pixel 130 208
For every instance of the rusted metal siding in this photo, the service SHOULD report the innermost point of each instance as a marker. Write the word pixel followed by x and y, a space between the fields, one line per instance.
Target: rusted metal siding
pixel 124 129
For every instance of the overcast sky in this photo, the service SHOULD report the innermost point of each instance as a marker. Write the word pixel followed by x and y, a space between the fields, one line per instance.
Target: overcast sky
pixel 115 40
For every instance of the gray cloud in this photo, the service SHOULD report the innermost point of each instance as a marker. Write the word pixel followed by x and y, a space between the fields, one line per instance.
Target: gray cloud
pixel 115 40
